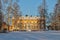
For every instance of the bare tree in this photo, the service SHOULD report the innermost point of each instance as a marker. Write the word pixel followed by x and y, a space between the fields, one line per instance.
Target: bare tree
pixel 43 14
pixel 56 16
pixel 16 13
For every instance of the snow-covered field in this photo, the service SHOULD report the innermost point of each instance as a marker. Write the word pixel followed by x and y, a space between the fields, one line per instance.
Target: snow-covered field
pixel 42 35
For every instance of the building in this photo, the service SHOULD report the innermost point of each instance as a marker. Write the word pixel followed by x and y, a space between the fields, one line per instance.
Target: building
pixel 27 24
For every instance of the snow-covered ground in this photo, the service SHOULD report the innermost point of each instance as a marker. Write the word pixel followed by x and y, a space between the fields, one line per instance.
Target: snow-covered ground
pixel 42 35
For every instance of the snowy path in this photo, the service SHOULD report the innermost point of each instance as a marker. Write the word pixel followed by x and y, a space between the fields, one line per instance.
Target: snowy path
pixel 47 35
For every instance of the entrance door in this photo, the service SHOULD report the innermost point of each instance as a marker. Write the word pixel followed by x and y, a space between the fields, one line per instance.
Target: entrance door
pixel 28 27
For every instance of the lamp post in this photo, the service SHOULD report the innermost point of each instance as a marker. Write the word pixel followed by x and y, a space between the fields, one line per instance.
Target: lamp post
pixel 1 15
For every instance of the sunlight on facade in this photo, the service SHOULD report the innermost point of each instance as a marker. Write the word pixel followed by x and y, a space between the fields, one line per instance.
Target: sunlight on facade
pixel 27 23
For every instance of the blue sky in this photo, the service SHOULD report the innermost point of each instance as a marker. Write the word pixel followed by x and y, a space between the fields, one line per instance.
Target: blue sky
pixel 30 7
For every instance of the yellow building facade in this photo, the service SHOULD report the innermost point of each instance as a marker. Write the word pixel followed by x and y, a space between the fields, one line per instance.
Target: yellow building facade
pixel 26 23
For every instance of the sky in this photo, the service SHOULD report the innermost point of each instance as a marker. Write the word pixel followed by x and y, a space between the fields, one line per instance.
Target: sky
pixel 30 7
